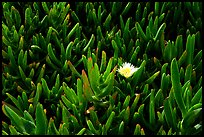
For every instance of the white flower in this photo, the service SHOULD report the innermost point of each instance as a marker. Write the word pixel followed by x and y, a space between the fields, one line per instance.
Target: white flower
pixel 127 70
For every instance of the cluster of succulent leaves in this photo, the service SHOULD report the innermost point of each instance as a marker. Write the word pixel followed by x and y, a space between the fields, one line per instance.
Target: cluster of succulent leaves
pixel 59 63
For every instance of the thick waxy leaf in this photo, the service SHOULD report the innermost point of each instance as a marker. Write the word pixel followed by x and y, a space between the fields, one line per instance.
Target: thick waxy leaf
pixel 140 31
pixel 190 46
pixel 15 118
pixel 15 101
pixel 137 75
pixel 175 79
pixel 73 69
pixel 109 121
pixel 41 120
pixel 190 118
pixel 86 86
pixel 169 114
pixel 91 127
pixel 81 131
pixel 52 55
pixel 137 130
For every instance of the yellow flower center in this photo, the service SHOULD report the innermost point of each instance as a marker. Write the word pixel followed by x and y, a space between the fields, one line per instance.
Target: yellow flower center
pixel 125 72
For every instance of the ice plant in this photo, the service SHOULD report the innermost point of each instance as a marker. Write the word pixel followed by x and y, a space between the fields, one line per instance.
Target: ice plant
pixel 127 69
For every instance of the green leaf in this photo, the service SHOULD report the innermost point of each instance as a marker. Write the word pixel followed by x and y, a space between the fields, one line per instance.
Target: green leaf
pixel 182 58
pixel 133 58
pixel 94 16
pixel 142 131
pixel 175 79
pixel 188 73
pixel 12 59
pixel 94 78
pixel 190 49
pixel 137 130
pixel 28 117
pixel 121 23
pixel 134 104
pixel 90 43
pixel 148 33
pixel 191 117
pixel 164 83
pixel 127 115
pixel 13 130
pixel 89 65
pixel 6 41
pixel 160 31
pixel 79 89
pixel 23 76
pixel 15 101
pixel 115 47
pixel 25 100
pixel 86 87
pixel 29 126
pixel 196 98
pixel 121 129
pixel 94 118
pixel 52 55
pixel 126 102
pixel 161 131
pixel 71 33
pixel 197 58
pixel 156 8
pixel 45 7
pixel 50 63
pixel 31 109
pixel 55 38
pixel 103 61
pixel 144 12
pixel 42 71
pixel 152 118
pixel 159 98
pixel 194 107
pixel 91 127
pixel 75 17
pixel 109 85
pixel 99 14
pixel 37 95
pixel 160 117
pixel 45 88
pixel 64 13
pixel 57 82
pixel 168 113
pixel 65 115
pixel 140 31
pixel 109 121
pixel 70 94
pixel 163 69
pixel 151 79
pixel 138 74
pixel 52 130
pixel 81 131
pixel 127 8
pixel 99 34
pixel 73 69
pixel 179 45
pixel 108 68
pixel 28 13
pixel 15 118
pixel 17 17
pixel 161 17
pixel 41 120
pixel 107 22
pixel 36 48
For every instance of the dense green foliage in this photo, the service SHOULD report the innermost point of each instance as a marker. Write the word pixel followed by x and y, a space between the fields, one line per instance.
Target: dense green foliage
pixel 60 61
